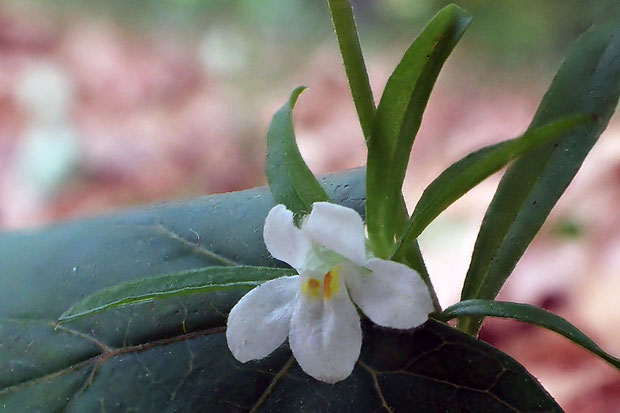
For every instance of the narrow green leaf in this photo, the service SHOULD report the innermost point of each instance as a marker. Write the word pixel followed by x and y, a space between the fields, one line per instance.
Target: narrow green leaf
pixel 201 280
pixel 398 119
pixel 290 180
pixel 354 66
pixel 528 314
pixel 588 82
pixel 468 172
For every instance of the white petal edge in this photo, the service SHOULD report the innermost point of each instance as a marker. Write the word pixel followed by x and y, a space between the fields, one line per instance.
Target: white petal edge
pixel 259 323
pixel 283 239
pixel 326 336
pixel 337 228
pixel 391 295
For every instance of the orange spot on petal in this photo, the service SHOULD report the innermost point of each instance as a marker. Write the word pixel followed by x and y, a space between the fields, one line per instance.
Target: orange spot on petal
pixel 331 284
pixel 311 287
pixel 327 285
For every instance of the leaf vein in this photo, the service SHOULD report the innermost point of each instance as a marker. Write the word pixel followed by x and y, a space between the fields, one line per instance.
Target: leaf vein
pixel 276 379
pixel 196 247
pixel 456 386
pixel 375 381
pixel 111 354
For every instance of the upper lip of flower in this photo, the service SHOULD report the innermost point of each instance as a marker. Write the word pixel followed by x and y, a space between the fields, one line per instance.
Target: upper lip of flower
pixel 314 309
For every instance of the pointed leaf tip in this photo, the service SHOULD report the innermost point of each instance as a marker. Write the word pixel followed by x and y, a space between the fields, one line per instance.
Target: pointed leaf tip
pixel 587 82
pixel 398 119
pixel 528 314
pixel 290 180
pixel 295 95
pixel 196 281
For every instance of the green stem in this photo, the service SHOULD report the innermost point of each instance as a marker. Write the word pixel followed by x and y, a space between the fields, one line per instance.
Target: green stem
pixel 413 256
pixel 354 66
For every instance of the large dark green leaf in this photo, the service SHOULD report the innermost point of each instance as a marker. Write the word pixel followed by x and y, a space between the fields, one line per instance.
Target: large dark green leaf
pixel 170 355
pixel 588 82
pixel 398 118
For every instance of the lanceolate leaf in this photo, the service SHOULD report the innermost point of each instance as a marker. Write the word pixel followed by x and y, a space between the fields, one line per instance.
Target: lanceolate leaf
pixel 398 119
pixel 171 355
pixel 588 82
pixel 528 314
pixel 200 280
pixel 290 180
pixel 468 172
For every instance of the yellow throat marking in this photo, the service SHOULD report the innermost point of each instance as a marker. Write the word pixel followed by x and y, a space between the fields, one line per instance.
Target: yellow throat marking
pixel 327 288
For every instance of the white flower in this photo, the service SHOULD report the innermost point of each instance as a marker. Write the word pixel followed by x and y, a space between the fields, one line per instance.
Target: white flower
pixel 314 309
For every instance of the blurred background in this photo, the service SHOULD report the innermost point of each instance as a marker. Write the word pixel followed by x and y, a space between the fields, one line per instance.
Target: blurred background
pixel 105 105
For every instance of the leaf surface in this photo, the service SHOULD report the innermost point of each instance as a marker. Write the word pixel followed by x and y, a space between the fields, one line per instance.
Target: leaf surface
pixel 170 355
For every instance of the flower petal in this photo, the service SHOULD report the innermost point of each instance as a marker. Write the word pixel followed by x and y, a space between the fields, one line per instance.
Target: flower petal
pixel 391 294
pixel 260 321
pixel 337 228
pixel 326 336
pixel 283 239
